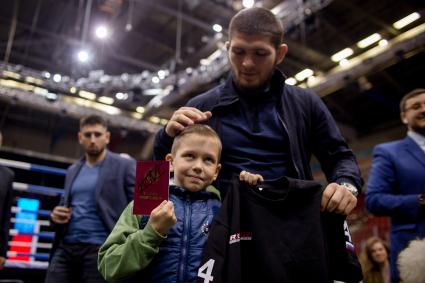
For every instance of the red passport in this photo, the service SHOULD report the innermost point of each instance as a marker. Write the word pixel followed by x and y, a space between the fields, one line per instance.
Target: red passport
pixel 151 185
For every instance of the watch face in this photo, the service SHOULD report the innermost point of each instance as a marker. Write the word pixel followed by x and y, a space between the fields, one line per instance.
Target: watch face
pixel 350 188
pixel 422 199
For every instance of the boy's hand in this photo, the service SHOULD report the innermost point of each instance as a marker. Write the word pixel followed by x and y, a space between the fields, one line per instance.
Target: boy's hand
pixel 250 178
pixel 162 217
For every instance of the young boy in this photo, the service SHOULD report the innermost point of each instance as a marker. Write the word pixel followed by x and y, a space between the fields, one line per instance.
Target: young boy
pixel 169 247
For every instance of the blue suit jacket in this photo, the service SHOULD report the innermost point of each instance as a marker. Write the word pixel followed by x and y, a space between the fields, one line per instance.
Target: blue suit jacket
pixel 6 200
pixel 396 179
pixel 114 188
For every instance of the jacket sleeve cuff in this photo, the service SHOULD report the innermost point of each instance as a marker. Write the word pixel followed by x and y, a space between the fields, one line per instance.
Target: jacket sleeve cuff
pixel 152 237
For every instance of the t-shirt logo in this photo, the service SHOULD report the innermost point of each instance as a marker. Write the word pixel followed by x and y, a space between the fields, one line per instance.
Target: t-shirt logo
pixel 240 236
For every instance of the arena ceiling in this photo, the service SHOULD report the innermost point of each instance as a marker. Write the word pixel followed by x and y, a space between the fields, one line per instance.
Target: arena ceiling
pixel 176 37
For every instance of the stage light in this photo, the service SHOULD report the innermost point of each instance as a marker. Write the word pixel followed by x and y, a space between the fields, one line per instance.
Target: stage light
pixel 102 32
pixel 83 56
pixel 57 78
pixel 248 3
pixel 347 52
pixel 217 28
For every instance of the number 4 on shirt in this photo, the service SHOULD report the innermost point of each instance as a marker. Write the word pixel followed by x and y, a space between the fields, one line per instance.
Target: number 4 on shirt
pixel 208 266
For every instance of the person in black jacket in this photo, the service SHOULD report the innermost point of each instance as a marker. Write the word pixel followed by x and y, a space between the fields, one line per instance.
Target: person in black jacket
pixel 266 126
pixel 6 199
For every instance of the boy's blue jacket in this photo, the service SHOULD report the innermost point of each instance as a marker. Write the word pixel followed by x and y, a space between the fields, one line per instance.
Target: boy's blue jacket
pixel 133 253
pixel 309 125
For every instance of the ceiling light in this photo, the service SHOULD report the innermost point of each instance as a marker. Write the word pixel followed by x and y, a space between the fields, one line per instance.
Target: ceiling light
pixel 369 40
pixel 12 75
pixel 102 32
pixel 161 74
pixel 248 3
pixel 51 96
pixel 304 74
pixel 140 109
pixel 344 62
pixel 73 89
pixel 46 75
pixel 57 78
pixel 342 54
pixel 291 81
pixel 87 95
pixel 406 20
pixel 136 115
pixel 155 80
pixel 217 28
pixel 383 42
pixel 121 95
pixel 33 80
pixel 153 91
pixel 83 56
pixel 106 100
pixel 154 119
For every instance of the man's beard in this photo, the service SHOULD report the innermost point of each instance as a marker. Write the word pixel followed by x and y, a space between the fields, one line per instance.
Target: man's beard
pixel 95 152
pixel 253 90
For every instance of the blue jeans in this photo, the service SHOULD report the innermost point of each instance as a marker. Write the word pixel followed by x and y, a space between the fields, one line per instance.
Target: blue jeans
pixel 74 263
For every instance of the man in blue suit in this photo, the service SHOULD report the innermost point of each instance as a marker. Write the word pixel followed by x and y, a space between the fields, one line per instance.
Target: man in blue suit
pixel 396 186
pixel 6 200
pixel 97 189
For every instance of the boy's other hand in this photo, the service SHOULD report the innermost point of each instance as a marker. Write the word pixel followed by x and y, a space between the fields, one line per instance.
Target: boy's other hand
pixel 250 178
pixel 163 217
pixel 185 116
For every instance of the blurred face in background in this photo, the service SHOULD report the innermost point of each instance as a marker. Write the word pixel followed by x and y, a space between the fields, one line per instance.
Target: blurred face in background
pixel 93 139
pixel 414 114
pixel 379 253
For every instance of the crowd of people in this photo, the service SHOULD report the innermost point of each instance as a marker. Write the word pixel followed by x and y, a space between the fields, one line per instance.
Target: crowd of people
pixel 257 131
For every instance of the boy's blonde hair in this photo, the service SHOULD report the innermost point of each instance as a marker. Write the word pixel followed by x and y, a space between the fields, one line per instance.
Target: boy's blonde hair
pixel 200 130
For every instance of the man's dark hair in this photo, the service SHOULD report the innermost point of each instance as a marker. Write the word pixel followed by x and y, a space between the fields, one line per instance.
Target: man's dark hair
pixel 409 95
pixel 93 120
pixel 200 130
pixel 256 20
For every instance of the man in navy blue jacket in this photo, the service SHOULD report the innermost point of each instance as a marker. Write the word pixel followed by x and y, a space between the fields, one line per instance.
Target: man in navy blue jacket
pixel 98 187
pixel 396 185
pixel 268 127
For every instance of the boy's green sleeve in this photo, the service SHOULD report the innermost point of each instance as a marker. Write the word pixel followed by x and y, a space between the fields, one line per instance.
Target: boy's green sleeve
pixel 128 249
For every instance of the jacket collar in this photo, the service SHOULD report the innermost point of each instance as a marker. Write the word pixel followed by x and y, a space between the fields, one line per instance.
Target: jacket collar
pixel 413 148
pixel 209 192
pixel 103 173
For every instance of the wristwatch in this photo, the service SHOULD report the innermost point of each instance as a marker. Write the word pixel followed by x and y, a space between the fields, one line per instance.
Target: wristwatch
pixel 421 200
pixel 352 189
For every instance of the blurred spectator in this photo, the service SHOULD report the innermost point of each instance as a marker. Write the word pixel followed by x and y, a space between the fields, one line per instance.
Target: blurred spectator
pixel 374 259
pixel 411 262
pixel 97 189
pixel 6 199
pixel 396 180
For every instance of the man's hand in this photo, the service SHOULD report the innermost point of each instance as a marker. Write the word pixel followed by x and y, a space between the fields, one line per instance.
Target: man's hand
pixel 338 199
pixel 162 217
pixel 2 262
pixel 185 116
pixel 250 178
pixel 61 215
